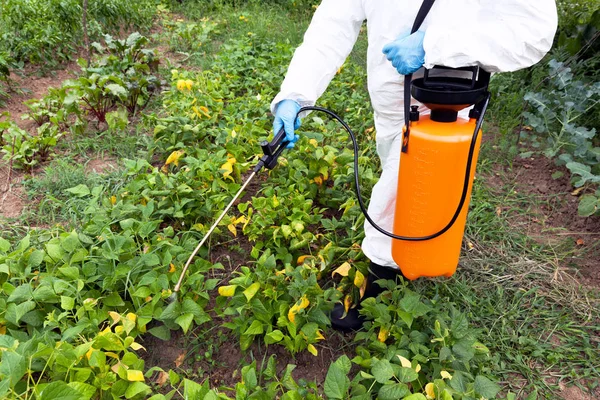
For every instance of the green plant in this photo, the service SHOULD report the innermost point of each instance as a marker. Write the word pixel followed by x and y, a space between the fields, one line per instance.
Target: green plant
pixel 27 151
pixel 189 36
pixel 557 111
pixel 287 307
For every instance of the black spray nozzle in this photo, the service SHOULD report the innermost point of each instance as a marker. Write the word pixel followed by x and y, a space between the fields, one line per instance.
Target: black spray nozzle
pixel 272 150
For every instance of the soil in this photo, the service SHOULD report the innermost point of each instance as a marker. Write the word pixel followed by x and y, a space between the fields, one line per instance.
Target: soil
pixel 33 85
pixel 224 360
pixel 552 217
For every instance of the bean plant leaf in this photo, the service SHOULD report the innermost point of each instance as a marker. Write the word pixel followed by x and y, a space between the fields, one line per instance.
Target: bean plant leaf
pixel 60 391
pixel 393 391
pixel 13 366
pixel 382 371
pixel 336 383
pixel 485 387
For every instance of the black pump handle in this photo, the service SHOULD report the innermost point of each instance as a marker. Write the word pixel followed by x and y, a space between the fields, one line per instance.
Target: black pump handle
pixel 272 150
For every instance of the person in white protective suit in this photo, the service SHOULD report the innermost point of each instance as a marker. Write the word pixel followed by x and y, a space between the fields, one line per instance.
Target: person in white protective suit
pixel 497 36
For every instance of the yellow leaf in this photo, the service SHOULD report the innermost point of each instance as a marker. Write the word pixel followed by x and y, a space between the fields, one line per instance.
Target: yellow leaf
pixel 133 375
pixel 359 280
pixel 113 200
pixel 300 305
pixel 89 353
pixel 205 111
pixel 347 302
pixel 174 157
pixel 404 362
pixel 251 291
pixel 136 346
pixel 301 260
pixel 312 350
pixel 342 270
pixel 314 142
pixel 188 84
pixel 171 268
pixel 445 374
pixel 318 180
pixel 418 368
pixel 240 220
pixel 181 84
pixel 383 334
pixel 232 229
pixel 429 391
pixel 227 291
pixel 320 335
pixel 116 317
pixel 148 299
pixel 111 355
pixel 131 316
pixel 119 329
pixel 228 167
pixel 279 273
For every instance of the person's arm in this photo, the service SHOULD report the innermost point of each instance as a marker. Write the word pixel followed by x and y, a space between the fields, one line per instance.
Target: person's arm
pixel 327 43
pixel 499 36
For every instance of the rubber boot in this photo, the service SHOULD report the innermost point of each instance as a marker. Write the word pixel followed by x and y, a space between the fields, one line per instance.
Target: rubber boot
pixel 353 320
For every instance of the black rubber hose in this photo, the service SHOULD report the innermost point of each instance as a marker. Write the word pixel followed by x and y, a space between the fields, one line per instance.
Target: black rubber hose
pixel 465 190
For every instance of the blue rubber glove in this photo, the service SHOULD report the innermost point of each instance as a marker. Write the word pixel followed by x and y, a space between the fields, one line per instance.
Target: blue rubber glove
pixel 285 116
pixel 406 53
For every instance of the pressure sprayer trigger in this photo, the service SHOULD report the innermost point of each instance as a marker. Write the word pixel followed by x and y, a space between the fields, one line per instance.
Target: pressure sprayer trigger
pixel 271 152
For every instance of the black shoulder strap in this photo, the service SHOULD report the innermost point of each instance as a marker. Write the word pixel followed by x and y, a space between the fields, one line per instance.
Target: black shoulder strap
pixel 421 15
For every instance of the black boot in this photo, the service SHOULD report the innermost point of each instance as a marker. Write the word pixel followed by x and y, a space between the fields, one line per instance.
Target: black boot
pixel 353 320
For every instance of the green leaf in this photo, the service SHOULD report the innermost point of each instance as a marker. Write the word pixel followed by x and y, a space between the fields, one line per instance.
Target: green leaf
pixel 251 291
pixel 273 337
pixel 162 332
pixel 406 375
pixel 416 396
pixel 86 391
pixel 256 328
pixel 79 190
pixel 193 390
pixel 13 367
pixel 588 205
pixel 485 387
pixel 59 391
pixel 4 245
pixel 185 321
pixel 35 258
pixel 21 293
pixel 116 90
pixel 336 383
pixel 344 363
pixel 393 392
pixel 382 371
pixel 135 389
pixel 459 382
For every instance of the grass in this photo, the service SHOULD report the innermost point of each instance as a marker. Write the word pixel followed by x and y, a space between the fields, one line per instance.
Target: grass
pixel 53 204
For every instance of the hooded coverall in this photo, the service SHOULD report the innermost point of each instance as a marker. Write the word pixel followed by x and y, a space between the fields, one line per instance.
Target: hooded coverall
pixel 497 35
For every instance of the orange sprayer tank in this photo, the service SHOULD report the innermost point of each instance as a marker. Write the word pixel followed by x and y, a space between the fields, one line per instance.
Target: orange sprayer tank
pixel 430 185
pixel 433 169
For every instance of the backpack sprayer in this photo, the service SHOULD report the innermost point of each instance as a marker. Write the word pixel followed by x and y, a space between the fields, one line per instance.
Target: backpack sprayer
pixel 439 154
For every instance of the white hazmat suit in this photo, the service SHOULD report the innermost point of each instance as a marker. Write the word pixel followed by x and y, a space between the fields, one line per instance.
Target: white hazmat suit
pixel 497 35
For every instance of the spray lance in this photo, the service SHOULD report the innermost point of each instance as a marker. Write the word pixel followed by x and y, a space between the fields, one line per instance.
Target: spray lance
pixel 438 172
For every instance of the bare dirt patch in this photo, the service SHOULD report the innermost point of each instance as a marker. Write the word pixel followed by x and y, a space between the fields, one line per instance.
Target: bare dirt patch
pixel 552 217
pixel 32 85
pixel 100 165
